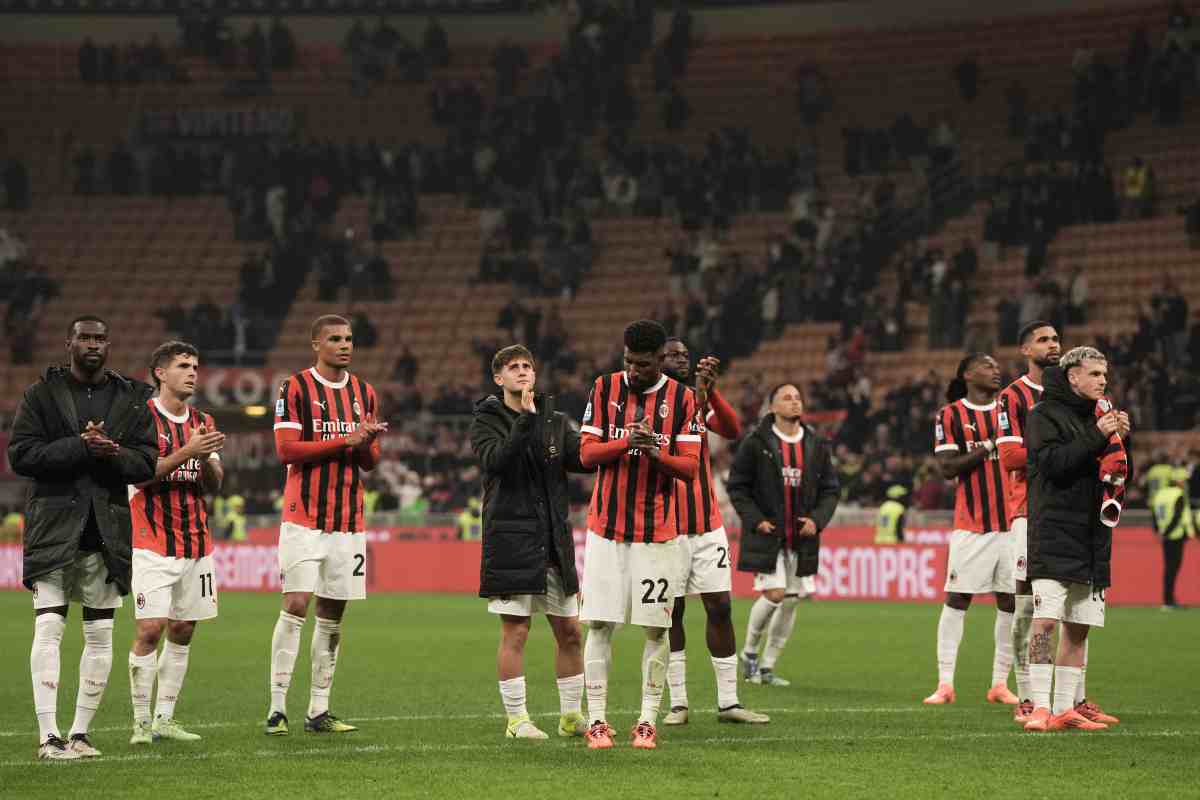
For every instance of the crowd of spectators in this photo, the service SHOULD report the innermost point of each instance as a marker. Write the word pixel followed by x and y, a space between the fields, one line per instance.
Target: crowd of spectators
pixel 133 64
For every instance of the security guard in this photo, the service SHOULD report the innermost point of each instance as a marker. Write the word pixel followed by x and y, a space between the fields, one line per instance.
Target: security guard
pixel 1174 523
pixel 470 521
pixel 1159 475
pixel 235 516
pixel 889 528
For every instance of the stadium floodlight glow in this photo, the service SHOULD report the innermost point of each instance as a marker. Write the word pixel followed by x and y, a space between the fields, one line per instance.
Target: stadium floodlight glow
pixel 254 411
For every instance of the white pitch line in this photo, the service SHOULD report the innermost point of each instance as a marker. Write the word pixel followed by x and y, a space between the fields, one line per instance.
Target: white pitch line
pixel 498 715
pixel 915 709
pixel 309 752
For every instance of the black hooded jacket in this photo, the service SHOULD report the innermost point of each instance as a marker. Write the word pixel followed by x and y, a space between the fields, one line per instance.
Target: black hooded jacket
pixel 69 484
pixel 1067 540
pixel 755 487
pixel 525 459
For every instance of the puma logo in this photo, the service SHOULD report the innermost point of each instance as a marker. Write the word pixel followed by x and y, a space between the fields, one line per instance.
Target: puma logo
pixel 319 404
pixel 970 426
pixel 618 406
pixel 165 437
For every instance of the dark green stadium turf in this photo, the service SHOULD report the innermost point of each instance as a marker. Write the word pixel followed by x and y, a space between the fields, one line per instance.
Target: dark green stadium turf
pixel 417 673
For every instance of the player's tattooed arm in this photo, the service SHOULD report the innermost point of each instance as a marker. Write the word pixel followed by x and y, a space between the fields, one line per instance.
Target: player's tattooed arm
pixel 1040 645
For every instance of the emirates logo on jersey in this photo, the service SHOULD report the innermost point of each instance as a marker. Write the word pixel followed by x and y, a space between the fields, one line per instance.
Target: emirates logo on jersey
pixel 792 476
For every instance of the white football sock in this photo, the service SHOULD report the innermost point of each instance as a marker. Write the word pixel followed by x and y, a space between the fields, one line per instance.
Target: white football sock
pixel 1081 691
pixel 172 667
pixel 142 671
pixel 725 670
pixel 1022 625
pixel 285 644
pixel 94 667
pixel 654 673
pixel 677 679
pixel 512 694
pixel 1041 676
pixel 326 644
pixel 570 694
pixel 1002 661
pixel 1066 681
pixel 949 636
pixel 44 667
pixel 597 652
pixel 760 615
pixel 779 631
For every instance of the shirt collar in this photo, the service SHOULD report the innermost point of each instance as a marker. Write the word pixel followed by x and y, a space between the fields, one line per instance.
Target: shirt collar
pixel 989 407
pixel 662 380
pixel 1028 382
pixel 339 385
pixel 789 439
pixel 162 410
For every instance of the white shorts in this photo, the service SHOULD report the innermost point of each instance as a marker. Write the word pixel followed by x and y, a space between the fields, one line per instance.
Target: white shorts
pixel 330 565
pixel 85 582
pixel 980 563
pixel 785 577
pixel 553 603
pixel 630 582
pixel 1068 602
pixel 1020 549
pixel 183 589
pixel 704 564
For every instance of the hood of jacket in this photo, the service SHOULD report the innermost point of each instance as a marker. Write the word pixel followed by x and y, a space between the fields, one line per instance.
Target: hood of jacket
pixel 1058 389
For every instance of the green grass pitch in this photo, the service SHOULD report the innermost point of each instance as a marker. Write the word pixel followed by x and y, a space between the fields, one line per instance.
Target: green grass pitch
pixel 417 672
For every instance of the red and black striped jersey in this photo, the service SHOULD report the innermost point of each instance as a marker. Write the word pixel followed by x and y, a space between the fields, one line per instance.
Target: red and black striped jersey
pixel 979 503
pixel 169 515
pixel 792 450
pixel 696 504
pixel 324 495
pixel 1015 402
pixel 633 500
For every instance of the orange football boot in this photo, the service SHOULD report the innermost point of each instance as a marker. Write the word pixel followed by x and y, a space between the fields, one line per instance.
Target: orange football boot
pixel 1091 711
pixel 1039 721
pixel 1072 720
pixel 1000 694
pixel 644 736
pixel 599 736
pixel 943 696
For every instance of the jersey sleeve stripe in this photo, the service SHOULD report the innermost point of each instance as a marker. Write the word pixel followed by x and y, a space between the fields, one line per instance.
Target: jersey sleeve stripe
pixel 943 448
pixel 587 429
pixel 687 438
pixel 1010 440
pixel 293 426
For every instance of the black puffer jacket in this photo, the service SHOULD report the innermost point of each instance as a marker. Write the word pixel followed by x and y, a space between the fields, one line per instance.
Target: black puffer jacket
pixel 1067 541
pixel 67 481
pixel 756 489
pixel 525 459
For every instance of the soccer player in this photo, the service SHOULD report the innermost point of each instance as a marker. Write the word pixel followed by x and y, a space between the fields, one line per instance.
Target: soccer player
pixel 980 560
pixel 785 490
pixel 640 430
pixel 81 433
pixel 704 551
pixel 525 450
pixel 326 434
pixel 174 580
pixel 1041 348
pixel 1070 436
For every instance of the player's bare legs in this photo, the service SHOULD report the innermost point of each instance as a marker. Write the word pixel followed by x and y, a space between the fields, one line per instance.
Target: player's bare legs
pixel 169 668
pixel 510 668
pixel 568 668
pixel 597 656
pixel 949 637
pixel 761 613
pixel 1002 660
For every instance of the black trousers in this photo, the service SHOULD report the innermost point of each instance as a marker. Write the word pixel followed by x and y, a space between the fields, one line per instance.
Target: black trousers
pixel 1172 561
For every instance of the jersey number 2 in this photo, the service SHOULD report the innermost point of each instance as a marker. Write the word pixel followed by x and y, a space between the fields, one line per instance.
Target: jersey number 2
pixel 649 583
pixel 359 561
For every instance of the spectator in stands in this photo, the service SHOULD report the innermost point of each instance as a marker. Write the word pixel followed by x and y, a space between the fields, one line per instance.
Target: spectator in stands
pixel 508 62
pixel 365 333
pixel 1191 223
pixel 676 109
pixel 1138 190
pixel 258 56
pixel 436 44
pixel 406 367
pixel 678 43
pixel 966 73
pixel 1077 297
pixel 1017 97
pixel 16 185
pixel 89 61
pixel 283 45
